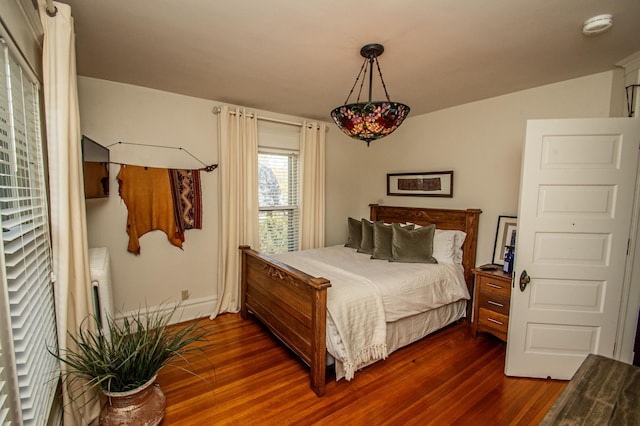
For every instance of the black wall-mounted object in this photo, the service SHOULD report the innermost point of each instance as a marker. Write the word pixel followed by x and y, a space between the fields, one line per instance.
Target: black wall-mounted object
pixel 95 158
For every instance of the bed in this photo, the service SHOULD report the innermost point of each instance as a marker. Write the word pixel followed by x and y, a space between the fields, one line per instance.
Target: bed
pixel 292 304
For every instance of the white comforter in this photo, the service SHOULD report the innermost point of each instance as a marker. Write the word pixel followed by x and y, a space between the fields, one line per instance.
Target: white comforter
pixel 367 293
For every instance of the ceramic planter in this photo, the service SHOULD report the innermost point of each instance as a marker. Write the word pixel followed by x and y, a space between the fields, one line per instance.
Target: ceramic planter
pixel 143 406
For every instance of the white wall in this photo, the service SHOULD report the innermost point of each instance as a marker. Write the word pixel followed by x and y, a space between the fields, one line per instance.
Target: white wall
pixel 112 112
pixel 481 142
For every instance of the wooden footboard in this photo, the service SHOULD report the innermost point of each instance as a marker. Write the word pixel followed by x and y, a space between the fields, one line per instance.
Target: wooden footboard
pixel 292 304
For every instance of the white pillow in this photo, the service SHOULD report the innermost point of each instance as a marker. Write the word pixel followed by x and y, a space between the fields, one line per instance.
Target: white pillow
pixel 447 245
pixel 460 237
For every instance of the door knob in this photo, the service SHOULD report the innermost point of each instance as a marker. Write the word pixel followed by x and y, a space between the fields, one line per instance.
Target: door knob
pixel 524 280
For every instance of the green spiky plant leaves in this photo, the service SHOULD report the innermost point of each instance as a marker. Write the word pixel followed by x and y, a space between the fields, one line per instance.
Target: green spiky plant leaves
pixel 137 348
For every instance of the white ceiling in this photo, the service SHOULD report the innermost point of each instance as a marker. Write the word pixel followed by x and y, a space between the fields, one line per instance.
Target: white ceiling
pixel 301 57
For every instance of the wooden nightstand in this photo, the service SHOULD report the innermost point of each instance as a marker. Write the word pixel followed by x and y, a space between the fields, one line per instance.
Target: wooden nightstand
pixel 491 302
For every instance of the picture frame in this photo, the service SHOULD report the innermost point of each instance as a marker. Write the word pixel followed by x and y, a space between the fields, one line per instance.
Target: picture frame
pixel 420 184
pixel 506 232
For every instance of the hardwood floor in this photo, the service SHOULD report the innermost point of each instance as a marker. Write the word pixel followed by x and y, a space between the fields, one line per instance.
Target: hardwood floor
pixel 248 377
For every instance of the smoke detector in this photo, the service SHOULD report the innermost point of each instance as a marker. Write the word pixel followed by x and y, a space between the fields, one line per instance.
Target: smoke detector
pixel 597 24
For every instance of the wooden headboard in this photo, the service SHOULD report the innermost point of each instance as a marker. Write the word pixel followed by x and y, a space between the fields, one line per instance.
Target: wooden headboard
pixel 463 220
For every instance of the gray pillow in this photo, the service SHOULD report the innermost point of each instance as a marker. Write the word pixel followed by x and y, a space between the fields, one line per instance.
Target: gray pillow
pixel 355 233
pixel 366 243
pixel 382 240
pixel 412 246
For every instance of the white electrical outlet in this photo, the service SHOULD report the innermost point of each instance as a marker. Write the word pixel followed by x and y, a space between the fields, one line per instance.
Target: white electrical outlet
pixel 185 294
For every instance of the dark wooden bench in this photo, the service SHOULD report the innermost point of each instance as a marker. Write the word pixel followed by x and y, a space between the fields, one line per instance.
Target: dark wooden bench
pixel 602 392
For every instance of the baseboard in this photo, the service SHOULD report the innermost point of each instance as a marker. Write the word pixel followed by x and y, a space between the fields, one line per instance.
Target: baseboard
pixel 187 309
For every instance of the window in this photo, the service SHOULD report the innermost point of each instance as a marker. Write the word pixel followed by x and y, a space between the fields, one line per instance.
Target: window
pixel 27 318
pixel 279 210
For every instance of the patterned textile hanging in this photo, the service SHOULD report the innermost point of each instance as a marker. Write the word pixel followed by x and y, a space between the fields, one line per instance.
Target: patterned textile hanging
pixel 169 200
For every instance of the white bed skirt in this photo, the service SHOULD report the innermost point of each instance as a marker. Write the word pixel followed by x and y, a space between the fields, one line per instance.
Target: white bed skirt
pixel 405 331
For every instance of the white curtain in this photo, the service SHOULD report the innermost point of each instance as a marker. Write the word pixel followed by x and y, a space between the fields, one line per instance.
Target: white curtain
pixel 68 216
pixel 312 156
pixel 238 158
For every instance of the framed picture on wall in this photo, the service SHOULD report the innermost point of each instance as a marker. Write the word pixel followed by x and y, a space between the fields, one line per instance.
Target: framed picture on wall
pixel 505 236
pixel 421 184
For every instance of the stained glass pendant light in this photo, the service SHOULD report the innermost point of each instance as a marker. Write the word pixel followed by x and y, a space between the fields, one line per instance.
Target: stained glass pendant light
pixel 368 121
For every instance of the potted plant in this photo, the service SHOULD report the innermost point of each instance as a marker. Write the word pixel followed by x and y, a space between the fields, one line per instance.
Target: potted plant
pixel 124 364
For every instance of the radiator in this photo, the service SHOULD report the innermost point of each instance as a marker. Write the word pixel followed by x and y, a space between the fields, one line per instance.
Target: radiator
pixel 100 269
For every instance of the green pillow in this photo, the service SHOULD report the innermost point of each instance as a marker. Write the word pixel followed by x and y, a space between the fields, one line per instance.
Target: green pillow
pixel 366 243
pixel 382 240
pixel 355 233
pixel 412 246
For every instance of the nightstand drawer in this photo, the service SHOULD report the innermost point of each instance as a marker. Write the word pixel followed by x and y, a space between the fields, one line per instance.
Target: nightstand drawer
pixel 493 320
pixel 491 302
pixel 494 302
pixel 496 286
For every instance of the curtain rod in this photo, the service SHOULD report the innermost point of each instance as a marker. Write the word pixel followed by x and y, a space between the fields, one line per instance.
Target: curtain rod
pixel 51 9
pixel 216 110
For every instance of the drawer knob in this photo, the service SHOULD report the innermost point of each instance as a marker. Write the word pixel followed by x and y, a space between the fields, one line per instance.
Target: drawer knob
pixel 495 321
pixel 491 302
pixel 493 285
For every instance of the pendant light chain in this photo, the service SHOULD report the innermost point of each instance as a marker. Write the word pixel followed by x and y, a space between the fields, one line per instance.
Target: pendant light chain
pixel 363 73
pixel 384 86
pixel 364 77
pixel 356 82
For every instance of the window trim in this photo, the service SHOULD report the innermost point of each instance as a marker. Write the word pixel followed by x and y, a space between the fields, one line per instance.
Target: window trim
pixel 294 243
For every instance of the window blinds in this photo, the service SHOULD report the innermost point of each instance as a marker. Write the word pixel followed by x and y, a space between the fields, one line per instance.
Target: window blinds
pixel 5 407
pixel 28 319
pixel 278 200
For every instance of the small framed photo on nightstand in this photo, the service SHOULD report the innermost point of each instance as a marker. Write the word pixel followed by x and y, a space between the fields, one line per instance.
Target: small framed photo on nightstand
pixel 505 236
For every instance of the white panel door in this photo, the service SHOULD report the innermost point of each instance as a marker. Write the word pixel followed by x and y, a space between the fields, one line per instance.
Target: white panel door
pixel 574 217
